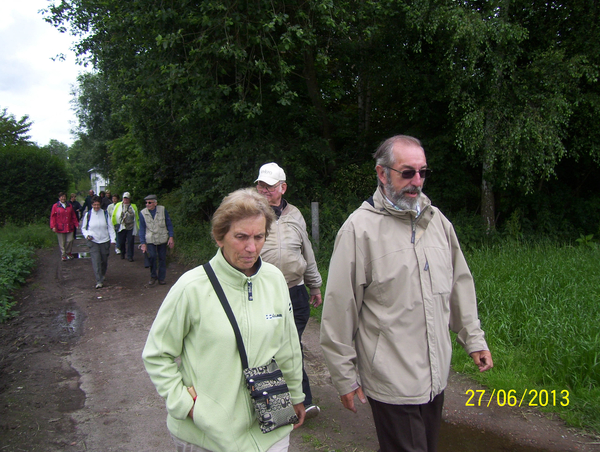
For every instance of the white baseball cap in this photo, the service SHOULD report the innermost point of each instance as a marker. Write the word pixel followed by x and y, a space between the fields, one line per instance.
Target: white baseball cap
pixel 126 195
pixel 270 173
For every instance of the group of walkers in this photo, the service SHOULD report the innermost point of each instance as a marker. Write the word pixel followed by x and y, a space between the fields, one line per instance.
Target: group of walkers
pixel 224 350
pixel 104 220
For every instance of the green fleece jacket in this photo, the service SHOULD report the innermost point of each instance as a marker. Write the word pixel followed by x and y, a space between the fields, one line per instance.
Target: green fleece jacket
pixel 192 324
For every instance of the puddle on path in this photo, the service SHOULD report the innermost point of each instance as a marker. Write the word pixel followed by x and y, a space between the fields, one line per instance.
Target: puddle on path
pixel 68 324
pixel 468 439
pixel 83 255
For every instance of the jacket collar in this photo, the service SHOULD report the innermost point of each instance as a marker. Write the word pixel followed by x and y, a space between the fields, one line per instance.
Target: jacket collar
pixel 226 272
pixel 382 206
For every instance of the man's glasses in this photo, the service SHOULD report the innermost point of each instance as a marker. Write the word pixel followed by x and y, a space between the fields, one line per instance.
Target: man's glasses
pixel 150 202
pixel 268 188
pixel 410 173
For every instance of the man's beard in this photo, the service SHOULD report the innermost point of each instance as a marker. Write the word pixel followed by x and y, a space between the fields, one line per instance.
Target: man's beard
pixel 400 199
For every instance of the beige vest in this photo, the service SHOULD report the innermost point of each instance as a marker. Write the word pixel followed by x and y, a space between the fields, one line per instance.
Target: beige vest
pixel 156 228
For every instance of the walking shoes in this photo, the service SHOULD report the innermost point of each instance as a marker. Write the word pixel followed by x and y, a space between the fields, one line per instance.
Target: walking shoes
pixel 312 411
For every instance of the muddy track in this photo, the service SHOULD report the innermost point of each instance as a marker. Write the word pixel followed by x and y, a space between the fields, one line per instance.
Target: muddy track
pixel 71 377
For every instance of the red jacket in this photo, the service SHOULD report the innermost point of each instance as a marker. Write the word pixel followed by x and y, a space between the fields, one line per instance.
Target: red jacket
pixel 63 219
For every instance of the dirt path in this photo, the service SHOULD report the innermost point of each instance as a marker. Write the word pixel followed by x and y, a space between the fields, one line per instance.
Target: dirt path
pixel 71 377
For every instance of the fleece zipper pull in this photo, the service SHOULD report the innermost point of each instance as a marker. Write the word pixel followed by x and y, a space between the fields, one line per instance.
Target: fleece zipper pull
pixel 414 227
pixel 250 290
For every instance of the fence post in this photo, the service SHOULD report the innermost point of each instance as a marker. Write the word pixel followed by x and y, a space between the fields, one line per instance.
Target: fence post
pixel 314 208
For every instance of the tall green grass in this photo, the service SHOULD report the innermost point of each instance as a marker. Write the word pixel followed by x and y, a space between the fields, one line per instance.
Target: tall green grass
pixel 194 244
pixel 37 235
pixel 540 308
pixel 16 259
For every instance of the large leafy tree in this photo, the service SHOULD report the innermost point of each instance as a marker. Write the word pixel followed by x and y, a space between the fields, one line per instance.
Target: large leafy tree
pixel 13 131
pixel 514 81
pixel 57 148
pixel 198 94
pixel 189 80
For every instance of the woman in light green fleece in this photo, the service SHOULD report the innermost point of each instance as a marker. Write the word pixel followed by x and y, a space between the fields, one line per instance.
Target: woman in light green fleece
pixel 208 404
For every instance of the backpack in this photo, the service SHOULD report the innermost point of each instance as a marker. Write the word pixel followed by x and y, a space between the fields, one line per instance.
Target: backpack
pixel 87 225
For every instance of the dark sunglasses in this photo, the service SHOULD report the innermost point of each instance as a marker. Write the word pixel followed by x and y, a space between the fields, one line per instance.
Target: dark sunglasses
pixel 410 173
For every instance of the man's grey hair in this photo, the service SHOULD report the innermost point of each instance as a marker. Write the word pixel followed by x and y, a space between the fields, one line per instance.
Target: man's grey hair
pixel 384 155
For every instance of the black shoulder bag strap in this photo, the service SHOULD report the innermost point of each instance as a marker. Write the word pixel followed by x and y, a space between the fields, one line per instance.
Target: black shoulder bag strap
pixel 219 290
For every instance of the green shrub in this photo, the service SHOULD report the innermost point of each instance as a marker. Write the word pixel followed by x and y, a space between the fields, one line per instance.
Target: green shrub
pixel 36 235
pixel 30 182
pixel 194 243
pixel 16 261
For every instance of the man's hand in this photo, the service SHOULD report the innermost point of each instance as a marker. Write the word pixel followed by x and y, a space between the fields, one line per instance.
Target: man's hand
pixel 316 300
pixel 143 247
pixel 299 409
pixel 483 360
pixel 348 399
pixel 171 242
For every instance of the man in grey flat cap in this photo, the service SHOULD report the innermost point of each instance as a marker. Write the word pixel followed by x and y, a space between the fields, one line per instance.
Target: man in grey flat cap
pixel 156 233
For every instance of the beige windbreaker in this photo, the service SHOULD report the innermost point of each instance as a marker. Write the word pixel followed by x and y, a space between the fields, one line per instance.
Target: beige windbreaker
pixel 396 283
pixel 289 249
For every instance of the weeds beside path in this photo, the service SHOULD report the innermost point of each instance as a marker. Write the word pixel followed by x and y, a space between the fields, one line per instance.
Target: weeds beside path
pixel 71 376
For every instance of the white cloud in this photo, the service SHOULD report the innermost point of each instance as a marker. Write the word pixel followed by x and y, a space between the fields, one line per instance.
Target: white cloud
pixel 30 82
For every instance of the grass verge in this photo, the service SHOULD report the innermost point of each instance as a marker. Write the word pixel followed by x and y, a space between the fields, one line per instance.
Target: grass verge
pixel 540 308
pixel 16 261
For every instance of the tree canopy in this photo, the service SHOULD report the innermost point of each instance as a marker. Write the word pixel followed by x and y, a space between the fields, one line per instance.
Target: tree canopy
pixel 13 131
pixel 195 96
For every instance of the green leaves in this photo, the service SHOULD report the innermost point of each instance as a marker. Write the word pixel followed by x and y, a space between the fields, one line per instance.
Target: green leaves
pixel 16 262
pixel 13 131
pixel 505 90
pixel 31 180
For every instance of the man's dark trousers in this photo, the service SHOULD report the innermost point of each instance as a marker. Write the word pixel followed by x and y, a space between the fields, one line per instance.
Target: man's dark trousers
pixel 157 257
pixel 300 303
pixel 408 428
pixel 126 242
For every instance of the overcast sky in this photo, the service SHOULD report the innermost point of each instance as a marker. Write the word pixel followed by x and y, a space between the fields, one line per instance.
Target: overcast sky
pixel 30 82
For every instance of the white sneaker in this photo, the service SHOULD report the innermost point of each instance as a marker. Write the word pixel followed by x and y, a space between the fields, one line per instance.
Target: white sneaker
pixel 117 250
pixel 312 411
pixel 99 286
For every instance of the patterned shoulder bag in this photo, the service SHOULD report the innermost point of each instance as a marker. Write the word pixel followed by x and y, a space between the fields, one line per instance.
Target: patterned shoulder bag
pixel 268 390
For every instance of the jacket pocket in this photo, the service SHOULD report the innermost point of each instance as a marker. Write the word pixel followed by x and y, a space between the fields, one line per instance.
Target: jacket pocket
pixel 215 421
pixel 395 368
pixel 440 270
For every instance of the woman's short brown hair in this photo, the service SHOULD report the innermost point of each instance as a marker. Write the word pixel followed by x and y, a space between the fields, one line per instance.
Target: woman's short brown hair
pixel 238 205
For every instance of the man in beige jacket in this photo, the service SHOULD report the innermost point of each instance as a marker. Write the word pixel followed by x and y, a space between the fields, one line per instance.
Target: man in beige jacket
pixel 288 248
pixel 397 279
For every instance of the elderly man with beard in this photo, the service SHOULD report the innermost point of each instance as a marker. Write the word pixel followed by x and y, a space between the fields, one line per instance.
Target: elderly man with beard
pixel 397 280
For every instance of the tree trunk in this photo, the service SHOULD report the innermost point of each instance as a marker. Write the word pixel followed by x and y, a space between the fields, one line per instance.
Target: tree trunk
pixel 488 208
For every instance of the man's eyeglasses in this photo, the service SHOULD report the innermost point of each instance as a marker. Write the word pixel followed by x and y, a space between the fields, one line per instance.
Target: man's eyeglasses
pixel 150 202
pixel 267 188
pixel 410 173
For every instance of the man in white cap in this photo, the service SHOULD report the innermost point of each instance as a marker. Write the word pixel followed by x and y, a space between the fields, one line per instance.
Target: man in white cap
pixel 289 249
pixel 125 216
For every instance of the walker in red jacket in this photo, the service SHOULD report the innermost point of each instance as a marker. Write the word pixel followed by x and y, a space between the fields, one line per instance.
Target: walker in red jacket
pixel 63 221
